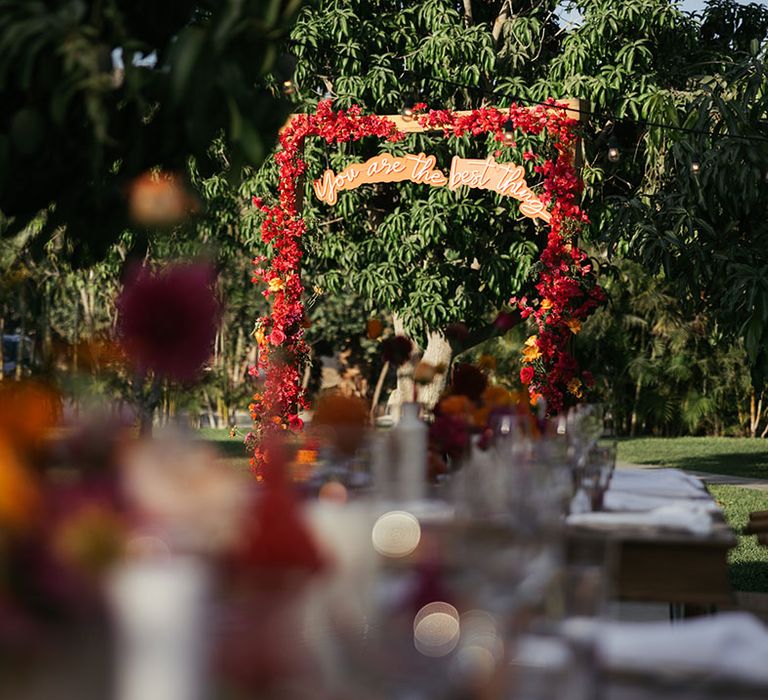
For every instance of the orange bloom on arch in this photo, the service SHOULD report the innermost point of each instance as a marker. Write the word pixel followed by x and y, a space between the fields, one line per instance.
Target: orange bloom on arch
pixel 574 386
pixel 546 304
pixel 531 350
pixel 276 285
pixel 574 325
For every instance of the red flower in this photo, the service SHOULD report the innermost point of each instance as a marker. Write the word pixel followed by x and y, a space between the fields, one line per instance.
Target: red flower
pixel 468 381
pixel 526 374
pixel 449 435
pixel 396 349
pixel 276 337
pixel 167 319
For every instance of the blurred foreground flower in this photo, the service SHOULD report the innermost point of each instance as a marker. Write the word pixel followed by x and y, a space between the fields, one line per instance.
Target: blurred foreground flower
pixel 167 319
pixel 158 198
pixel 29 410
pixel 181 491
pixel 468 381
pixel 344 418
pixel 396 349
pixel 374 328
pixel 20 499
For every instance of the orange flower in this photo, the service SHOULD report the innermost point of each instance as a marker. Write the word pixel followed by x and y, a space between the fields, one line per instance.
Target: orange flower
pixel 19 497
pixel 574 386
pixel 480 416
pixel 157 198
pixel 546 304
pixel 28 411
pixel 374 328
pixel 276 285
pixel 456 405
pixel 574 324
pixel 535 396
pixel 345 418
pixel 531 353
pixel 260 337
pixel 306 456
pixel 497 397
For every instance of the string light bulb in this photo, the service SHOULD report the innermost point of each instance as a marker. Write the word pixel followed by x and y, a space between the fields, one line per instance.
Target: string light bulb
pixel 695 165
pixel 288 87
pixel 509 132
pixel 614 154
pixel 407 111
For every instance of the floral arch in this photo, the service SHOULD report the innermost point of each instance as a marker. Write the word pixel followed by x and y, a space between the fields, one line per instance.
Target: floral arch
pixel 566 289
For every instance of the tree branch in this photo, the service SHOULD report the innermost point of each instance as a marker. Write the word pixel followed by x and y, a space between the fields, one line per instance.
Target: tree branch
pixel 468 18
pixel 506 11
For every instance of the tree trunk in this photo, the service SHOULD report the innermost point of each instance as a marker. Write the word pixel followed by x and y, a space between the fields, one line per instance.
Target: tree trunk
pixel 2 335
pixel 634 417
pixel 755 413
pixel 22 333
pixel 147 405
pixel 438 352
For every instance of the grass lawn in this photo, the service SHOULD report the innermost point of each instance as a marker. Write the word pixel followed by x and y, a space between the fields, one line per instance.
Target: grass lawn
pixel 230 448
pixel 748 560
pixel 732 456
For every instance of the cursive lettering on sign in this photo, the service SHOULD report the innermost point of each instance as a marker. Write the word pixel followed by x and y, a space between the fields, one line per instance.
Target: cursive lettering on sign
pixel 383 168
pixel 507 179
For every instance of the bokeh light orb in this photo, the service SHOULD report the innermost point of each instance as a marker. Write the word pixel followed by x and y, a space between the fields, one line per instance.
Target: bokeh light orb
pixel 436 629
pixel 396 534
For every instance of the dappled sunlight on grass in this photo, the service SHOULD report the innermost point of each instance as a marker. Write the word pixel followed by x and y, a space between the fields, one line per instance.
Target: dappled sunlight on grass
pixel 745 457
pixel 748 560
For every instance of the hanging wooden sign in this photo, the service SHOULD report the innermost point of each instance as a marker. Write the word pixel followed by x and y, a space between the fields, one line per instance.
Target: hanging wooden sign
pixel 507 179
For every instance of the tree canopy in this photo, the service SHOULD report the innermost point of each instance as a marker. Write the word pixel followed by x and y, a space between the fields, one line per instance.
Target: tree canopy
pixel 76 127
pixel 667 88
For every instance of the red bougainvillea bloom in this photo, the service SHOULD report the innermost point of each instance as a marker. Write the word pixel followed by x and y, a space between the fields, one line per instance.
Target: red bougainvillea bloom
pixel 167 319
pixel 526 374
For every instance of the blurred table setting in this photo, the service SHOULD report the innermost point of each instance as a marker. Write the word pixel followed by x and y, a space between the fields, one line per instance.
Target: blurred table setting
pixel 469 553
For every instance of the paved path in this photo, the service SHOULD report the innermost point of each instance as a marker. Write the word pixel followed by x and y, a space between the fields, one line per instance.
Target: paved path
pixel 717 479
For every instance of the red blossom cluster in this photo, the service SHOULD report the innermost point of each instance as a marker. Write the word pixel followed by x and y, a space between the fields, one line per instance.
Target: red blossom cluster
pixel 567 291
pixel 280 336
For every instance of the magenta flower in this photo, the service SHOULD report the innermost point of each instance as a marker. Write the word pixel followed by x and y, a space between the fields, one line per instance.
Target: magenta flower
pixel 167 319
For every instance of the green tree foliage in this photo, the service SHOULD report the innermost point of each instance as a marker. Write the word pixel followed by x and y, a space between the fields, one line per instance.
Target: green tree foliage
pixel 430 255
pixel 75 129
pixel 637 65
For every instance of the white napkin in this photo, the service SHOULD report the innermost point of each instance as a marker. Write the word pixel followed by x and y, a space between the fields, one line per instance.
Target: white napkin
pixel 728 645
pixel 658 482
pixel 615 500
pixel 685 517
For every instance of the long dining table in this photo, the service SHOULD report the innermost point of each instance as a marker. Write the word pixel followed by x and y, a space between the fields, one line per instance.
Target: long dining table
pixel 662 538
